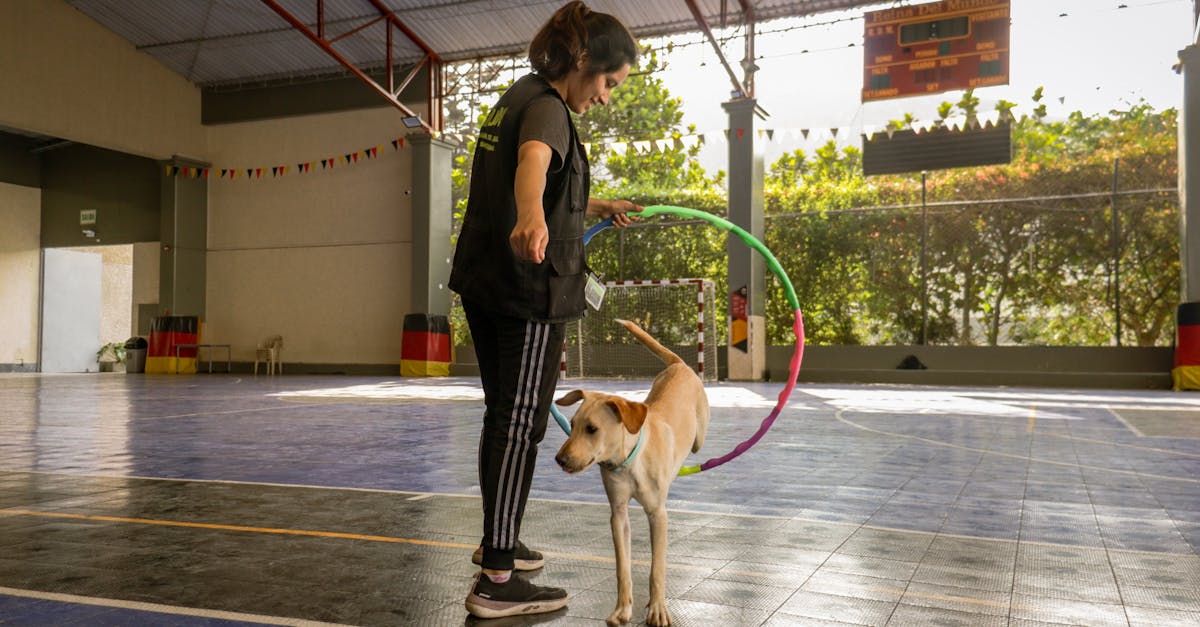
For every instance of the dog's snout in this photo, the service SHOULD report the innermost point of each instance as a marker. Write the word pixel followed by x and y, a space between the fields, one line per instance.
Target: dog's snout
pixel 561 459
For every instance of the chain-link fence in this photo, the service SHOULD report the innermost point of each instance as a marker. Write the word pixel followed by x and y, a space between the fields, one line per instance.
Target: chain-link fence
pixel 1054 270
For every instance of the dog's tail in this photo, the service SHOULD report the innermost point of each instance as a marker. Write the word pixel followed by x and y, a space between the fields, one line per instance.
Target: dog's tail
pixel 663 352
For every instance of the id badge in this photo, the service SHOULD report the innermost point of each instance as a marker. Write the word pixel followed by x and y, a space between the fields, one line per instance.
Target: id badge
pixel 593 292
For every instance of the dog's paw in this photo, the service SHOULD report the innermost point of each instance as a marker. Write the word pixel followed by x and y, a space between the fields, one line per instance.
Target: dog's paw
pixel 621 615
pixel 657 614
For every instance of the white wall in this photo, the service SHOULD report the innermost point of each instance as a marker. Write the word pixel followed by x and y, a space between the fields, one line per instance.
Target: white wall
pixel 20 273
pixel 320 258
pixel 116 291
pixel 66 76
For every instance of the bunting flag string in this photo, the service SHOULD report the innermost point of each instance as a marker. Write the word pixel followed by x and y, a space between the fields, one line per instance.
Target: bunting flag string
pixel 276 171
pixel 806 135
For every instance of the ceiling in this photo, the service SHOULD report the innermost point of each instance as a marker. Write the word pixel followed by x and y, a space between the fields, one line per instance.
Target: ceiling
pixel 222 43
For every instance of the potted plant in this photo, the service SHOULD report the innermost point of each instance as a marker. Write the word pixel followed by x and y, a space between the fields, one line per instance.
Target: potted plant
pixel 115 351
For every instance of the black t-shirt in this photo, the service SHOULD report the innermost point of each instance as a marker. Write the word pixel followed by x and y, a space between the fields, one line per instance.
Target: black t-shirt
pixel 485 269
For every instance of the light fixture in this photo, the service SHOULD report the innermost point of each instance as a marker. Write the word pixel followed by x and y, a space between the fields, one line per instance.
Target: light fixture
pixel 411 121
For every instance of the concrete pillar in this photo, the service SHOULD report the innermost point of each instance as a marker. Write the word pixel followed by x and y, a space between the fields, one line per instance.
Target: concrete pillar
pixel 747 279
pixel 432 206
pixel 1189 176
pixel 184 225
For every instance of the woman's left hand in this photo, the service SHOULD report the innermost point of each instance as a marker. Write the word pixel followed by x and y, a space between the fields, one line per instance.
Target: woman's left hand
pixel 619 210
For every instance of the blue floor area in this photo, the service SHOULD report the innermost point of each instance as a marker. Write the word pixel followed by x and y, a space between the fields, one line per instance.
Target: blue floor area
pixel 868 505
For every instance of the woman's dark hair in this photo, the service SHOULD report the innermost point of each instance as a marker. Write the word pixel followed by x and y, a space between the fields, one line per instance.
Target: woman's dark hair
pixel 575 30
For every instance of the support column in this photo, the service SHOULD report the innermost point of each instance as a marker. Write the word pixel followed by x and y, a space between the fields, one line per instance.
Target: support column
pixel 431 209
pixel 747 279
pixel 1189 176
pixel 184 227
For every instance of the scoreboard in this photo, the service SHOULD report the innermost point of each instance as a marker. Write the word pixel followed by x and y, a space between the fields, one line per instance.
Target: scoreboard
pixel 935 47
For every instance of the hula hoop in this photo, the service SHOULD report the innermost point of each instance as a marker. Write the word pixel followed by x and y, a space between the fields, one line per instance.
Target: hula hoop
pixel 798 326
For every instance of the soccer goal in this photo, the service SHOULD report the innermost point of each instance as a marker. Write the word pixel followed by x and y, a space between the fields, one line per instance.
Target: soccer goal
pixel 676 312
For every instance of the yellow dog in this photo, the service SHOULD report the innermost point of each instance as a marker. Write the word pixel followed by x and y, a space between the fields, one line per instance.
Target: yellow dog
pixel 640 448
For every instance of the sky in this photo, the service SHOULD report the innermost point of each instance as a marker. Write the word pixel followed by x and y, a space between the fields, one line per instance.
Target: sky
pixel 1089 55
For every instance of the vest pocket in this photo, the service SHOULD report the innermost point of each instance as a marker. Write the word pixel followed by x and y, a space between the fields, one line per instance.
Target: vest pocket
pixel 567 278
pixel 579 192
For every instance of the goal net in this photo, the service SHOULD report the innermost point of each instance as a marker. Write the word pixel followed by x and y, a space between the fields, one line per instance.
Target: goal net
pixel 676 312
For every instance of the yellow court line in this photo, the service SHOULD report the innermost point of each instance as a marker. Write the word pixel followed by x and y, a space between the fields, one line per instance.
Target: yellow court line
pixel 1032 417
pixel 281 531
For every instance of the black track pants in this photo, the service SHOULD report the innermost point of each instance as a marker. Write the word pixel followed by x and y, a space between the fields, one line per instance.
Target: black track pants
pixel 518 365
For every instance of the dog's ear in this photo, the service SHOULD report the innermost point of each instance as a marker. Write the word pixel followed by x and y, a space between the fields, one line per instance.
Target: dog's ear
pixel 572 397
pixel 632 413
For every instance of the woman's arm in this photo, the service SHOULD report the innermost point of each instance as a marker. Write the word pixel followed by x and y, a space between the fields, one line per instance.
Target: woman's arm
pixel 530 235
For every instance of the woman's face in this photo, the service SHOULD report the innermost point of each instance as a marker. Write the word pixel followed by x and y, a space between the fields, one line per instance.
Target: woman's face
pixel 585 89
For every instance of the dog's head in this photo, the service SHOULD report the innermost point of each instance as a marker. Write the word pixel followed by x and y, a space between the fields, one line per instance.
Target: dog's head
pixel 598 429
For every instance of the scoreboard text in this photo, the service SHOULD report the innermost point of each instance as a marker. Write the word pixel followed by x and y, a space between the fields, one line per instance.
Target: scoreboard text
pixel 935 47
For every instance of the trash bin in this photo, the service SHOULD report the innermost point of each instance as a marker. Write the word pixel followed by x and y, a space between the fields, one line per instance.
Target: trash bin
pixel 135 355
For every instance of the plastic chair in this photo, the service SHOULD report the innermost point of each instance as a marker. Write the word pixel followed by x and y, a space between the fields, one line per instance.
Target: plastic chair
pixel 269 353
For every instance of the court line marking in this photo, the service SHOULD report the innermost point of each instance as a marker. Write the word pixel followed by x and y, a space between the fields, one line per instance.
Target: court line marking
pixel 284 531
pixel 1135 430
pixel 694 512
pixel 840 418
pixel 177 610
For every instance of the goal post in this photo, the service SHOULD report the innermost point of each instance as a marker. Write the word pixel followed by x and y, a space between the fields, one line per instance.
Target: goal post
pixel 679 313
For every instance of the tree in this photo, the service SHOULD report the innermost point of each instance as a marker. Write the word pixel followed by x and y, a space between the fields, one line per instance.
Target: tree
pixel 642 109
pixel 1032 271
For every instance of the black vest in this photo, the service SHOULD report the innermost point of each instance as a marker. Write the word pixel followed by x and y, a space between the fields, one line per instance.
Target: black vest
pixel 485 270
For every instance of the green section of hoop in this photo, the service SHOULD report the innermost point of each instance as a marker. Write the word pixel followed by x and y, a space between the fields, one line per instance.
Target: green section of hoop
pixel 749 239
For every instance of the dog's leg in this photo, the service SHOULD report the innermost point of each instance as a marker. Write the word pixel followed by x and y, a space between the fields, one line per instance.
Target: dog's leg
pixel 656 610
pixel 623 612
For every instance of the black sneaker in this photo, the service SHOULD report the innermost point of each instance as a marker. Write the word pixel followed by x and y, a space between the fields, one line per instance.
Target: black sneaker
pixel 524 558
pixel 511 598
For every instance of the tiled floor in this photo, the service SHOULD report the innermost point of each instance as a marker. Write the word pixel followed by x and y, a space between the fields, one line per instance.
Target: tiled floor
pixel 222 500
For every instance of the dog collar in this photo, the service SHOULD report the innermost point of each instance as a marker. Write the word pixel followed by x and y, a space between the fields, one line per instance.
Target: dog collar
pixel 637 448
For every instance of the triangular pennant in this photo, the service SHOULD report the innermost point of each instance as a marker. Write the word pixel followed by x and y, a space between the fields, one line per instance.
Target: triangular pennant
pixel 833 131
pixel 770 134
pixel 395 145
pixel 740 133
pixel 206 173
pixel 804 133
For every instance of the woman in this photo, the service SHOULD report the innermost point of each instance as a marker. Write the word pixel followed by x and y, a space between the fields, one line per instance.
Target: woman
pixel 520 269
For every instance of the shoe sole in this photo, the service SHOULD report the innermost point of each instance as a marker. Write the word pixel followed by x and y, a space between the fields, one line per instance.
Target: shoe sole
pixel 518 564
pixel 484 608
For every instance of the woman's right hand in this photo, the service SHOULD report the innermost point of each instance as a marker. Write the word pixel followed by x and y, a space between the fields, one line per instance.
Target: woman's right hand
pixel 530 237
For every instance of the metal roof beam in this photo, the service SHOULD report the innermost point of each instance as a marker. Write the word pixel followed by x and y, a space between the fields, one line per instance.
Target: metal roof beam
pixel 327 45
pixel 703 24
